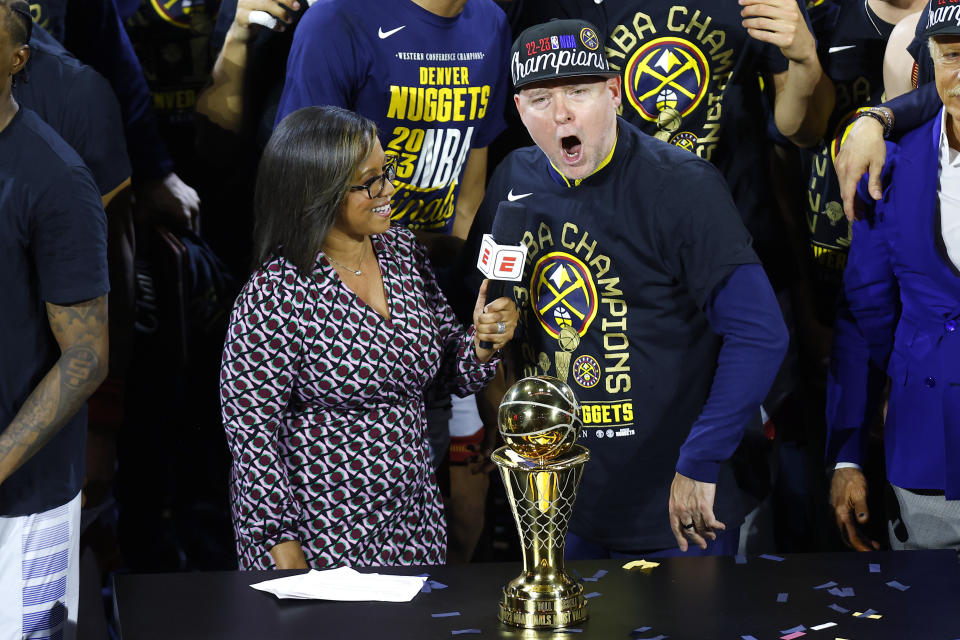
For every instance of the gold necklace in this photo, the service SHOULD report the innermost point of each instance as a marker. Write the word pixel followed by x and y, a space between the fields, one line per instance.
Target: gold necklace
pixel 357 271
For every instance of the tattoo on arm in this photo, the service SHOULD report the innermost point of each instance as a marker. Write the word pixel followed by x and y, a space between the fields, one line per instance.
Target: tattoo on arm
pixel 81 332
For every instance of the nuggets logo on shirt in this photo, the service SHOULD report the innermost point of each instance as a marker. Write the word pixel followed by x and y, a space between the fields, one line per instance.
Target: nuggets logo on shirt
pixel 576 319
pixel 675 74
pixel 563 294
pixel 667 73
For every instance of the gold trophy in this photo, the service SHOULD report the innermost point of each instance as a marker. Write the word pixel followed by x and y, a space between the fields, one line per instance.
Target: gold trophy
pixel 541 467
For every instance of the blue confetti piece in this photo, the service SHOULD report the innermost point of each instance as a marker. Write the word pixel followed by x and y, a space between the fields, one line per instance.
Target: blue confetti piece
pixel 641 629
pixel 426 587
pixel 747 638
pixel 740 559
pixel 799 627
pixel 782 597
pixel 874 568
pixel 845 592
pixel 462 632
pixel 436 585
pixel 870 612
pixel 448 614
pixel 422 575
pixel 588 579
pixel 899 586
pixel 838 608
pixel 767 556
pixel 826 585
pixel 592 594
pixel 599 574
pixel 660 637
pixel 568 630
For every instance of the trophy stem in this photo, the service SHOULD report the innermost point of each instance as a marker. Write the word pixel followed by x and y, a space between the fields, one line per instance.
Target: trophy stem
pixel 541 498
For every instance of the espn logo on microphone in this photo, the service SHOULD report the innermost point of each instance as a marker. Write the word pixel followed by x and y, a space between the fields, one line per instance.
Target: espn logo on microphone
pixel 501 261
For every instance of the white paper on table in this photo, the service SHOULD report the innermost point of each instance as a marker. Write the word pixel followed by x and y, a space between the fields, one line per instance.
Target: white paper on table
pixel 344 584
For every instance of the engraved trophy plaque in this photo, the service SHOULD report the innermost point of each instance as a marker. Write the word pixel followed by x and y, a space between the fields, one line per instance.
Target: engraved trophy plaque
pixel 541 467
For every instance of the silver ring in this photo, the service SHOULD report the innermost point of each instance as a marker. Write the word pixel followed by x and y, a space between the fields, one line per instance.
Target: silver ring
pixel 501 327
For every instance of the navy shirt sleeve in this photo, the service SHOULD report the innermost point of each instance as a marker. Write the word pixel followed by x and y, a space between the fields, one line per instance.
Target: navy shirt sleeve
pixel 325 63
pixel 744 311
pixel 69 241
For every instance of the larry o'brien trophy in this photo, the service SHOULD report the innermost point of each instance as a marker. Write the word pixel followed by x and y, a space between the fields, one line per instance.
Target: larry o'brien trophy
pixel 541 467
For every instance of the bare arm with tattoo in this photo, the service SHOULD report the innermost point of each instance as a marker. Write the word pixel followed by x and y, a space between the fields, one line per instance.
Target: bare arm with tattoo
pixel 81 331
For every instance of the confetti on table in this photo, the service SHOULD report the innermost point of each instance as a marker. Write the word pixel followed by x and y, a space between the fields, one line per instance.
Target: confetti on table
pixel 874 568
pixel 869 613
pixel 592 594
pixel 782 597
pixel 640 564
pixel 838 608
pixel 448 614
pixel 826 585
pixel 844 592
pixel 767 556
pixel 899 586
pixel 741 559
pixel 791 636
pixel 463 632
pixel 825 625
pixel 599 574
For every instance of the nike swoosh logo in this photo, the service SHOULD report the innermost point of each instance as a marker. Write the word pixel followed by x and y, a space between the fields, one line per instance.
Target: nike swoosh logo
pixel 513 198
pixel 843 48
pixel 386 34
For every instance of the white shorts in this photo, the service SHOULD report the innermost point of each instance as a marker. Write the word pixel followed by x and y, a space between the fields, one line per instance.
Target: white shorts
pixel 465 420
pixel 39 574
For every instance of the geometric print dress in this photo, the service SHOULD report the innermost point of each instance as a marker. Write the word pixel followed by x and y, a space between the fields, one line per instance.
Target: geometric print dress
pixel 322 402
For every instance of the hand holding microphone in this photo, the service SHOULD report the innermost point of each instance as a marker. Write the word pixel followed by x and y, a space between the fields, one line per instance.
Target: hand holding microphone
pixel 501 264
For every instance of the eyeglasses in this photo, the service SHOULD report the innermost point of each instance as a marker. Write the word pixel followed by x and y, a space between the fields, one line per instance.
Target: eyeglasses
pixel 375 185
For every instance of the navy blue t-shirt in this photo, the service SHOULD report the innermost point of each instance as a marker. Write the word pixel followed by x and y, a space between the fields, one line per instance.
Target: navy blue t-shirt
pixel 851 44
pixel 620 268
pixel 53 248
pixel 80 106
pixel 435 86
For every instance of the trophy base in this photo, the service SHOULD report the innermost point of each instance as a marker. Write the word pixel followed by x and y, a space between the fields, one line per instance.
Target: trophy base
pixel 543 613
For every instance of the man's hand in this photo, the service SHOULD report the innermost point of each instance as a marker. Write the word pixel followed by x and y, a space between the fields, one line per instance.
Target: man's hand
pixel 167 201
pixel 780 23
pixel 862 151
pixel 691 501
pixel 240 29
pixel 848 495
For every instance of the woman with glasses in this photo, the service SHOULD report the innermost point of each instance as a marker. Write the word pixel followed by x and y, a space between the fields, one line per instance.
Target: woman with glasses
pixel 330 345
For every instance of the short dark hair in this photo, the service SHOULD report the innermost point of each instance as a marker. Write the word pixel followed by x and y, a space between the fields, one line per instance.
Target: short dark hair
pixel 17 21
pixel 303 180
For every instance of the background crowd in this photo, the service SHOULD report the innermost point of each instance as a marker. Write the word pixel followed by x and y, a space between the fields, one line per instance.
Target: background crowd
pixel 171 106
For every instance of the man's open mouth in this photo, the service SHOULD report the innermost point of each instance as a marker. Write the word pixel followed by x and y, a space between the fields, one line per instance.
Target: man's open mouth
pixel 572 147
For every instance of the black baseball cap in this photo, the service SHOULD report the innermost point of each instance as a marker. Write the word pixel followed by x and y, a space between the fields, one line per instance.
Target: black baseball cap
pixel 558 49
pixel 943 19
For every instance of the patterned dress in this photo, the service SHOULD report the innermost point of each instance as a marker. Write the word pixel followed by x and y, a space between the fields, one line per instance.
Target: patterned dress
pixel 322 405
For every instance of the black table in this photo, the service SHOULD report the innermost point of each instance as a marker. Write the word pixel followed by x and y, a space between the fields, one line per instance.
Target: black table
pixel 683 598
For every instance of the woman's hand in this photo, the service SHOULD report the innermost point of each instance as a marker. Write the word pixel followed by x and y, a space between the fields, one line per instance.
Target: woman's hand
pixel 288 555
pixel 493 323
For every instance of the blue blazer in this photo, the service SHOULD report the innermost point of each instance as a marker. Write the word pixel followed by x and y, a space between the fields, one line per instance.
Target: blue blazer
pixel 900 311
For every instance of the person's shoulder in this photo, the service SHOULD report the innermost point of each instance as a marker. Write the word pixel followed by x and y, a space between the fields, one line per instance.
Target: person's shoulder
pixel 656 160
pixel 47 152
pixel 333 14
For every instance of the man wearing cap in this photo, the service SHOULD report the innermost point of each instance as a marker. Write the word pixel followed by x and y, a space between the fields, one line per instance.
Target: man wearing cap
pixel 902 311
pixel 647 299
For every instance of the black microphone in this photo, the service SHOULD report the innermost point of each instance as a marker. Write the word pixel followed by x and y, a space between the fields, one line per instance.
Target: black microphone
pixel 502 254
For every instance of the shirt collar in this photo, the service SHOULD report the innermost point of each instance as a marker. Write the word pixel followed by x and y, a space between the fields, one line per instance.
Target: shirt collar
pixel 562 179
pixel 948 157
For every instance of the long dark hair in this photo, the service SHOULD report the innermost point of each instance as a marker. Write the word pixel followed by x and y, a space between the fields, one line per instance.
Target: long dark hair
pixel 303 180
